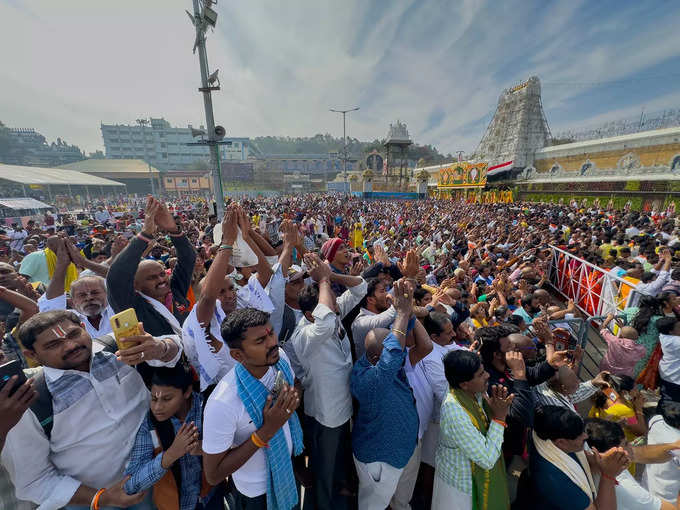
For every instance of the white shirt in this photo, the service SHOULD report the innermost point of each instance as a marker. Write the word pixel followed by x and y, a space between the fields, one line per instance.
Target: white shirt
pixel 209 365
pixel 227 424
pixel 662 480
pixel 422 390
pixel 325 354
pixel 652 288
pixel 253 295
pixel 669 366
pixel 367 321
pixel 630 495
pixel 59 303
pixel 94 429
pixel 433 365
pixel 102 216
pixel 17 239
pixel 276 290
pixel 631 232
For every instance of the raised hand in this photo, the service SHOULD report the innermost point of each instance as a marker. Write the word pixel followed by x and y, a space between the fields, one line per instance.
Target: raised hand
pixel 150 227
pixel 229 225
pixel 499 401
pixel 243 222
pixel 12 407
pixel 357 267
pixel 612 462
pixel 63 255
pixel 515 362
pixel 164 219
pixel 403 297
pixel 409 265
pixel 276 414
pixel 380 255
pixel 317 268
pixel 441 297
pixel 73 252
pixel 559 358
pixel 185 442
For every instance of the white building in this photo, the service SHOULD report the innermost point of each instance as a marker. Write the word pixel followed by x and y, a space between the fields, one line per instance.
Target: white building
pixel 164 146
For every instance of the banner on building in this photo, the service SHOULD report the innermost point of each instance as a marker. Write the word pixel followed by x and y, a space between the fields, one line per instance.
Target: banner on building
pixel 463 175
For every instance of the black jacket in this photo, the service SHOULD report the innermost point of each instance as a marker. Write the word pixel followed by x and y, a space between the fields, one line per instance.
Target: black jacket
pixel 122 295
pixel 521 412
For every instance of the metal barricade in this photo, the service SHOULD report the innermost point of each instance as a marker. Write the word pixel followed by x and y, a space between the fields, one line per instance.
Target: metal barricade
pixel 595 292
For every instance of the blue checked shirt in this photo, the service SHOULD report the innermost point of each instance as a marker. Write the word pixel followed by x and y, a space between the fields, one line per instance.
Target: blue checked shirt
pixel 145 469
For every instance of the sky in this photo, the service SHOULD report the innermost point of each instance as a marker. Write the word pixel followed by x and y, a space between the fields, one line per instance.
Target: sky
pixel 437 65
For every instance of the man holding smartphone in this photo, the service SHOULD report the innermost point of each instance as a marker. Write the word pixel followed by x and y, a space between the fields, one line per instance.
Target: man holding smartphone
pixel 97 401
pixel 15 398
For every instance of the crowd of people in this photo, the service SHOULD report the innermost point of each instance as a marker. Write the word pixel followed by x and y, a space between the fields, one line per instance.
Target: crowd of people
pixel 328 352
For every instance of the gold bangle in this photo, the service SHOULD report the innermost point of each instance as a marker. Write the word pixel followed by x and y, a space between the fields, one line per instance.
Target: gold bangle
pixel 394 330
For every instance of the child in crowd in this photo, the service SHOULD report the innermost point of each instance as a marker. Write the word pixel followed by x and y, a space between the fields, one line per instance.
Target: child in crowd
pixel 167 453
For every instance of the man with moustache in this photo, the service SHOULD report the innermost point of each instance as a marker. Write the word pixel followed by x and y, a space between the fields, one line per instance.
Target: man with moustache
pixel 249 433
pixel 98 402
pixel 530 307
pixel 88 296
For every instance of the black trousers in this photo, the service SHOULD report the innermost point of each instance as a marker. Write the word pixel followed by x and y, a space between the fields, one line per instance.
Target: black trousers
pixel 242 502
pixel 330 458
pixel 238 501
pixel 669 391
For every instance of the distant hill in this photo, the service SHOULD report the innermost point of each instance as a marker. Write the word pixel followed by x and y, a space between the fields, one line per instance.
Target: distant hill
pixel 323 144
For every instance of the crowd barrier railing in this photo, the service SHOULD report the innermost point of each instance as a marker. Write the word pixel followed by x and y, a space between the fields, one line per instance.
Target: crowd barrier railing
pixel 596 292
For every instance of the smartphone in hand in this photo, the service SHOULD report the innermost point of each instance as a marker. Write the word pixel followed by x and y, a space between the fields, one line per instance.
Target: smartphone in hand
pixel 9 370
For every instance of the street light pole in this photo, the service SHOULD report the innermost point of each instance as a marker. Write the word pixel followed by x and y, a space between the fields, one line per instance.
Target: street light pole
pixel 201 25
pixel 344 142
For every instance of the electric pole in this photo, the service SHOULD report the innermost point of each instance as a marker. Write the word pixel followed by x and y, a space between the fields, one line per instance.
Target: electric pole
pixel 202 19
pixel 344 143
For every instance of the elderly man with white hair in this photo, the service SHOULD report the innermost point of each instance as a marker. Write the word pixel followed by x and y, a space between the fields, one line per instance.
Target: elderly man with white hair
pixel 88 295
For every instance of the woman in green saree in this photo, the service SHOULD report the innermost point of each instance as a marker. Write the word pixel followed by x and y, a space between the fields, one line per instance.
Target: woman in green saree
pixel 469 467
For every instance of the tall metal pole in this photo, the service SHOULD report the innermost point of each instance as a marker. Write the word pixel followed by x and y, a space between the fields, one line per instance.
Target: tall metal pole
pixel 209 117
pixel 344 150
pixel 344 143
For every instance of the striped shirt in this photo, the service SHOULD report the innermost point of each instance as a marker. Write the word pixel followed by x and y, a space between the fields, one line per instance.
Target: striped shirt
pixel 546 396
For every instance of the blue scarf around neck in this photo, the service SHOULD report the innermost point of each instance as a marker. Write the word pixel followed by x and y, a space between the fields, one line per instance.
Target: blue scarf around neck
pixel 281 489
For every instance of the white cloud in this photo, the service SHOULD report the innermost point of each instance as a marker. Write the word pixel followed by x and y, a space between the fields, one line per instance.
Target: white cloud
pixel 73 64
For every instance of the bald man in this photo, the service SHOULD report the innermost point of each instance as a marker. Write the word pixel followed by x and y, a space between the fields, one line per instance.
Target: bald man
pixel 158 298
pixel 564 388
pixel 385 432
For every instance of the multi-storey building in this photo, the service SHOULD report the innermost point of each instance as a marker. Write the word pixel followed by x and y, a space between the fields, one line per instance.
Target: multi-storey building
pixel 164 146
pixel 30 148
